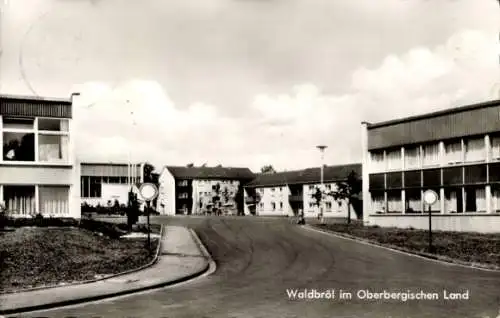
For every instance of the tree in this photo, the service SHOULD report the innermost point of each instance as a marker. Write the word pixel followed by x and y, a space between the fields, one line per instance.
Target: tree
pixel 267 169
pixel 216 198
pixel 132 209
pixel 349 190
pixel 148 172
pixel 190 165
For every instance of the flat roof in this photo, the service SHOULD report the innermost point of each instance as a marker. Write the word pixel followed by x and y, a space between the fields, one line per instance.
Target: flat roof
pixel 35 98
pixel 448 111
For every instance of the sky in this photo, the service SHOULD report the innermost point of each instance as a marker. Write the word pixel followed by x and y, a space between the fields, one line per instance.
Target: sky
pixel 246 82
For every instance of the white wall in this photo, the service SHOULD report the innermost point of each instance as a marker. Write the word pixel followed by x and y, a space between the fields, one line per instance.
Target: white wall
pixel 166 193
pixel 275 195
pixel 312 210
pixel 483 223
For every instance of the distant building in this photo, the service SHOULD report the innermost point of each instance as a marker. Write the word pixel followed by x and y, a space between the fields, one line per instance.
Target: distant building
pixel 38 169
pixel 288 193
pixel 455 152
pixel 103 183
pixel 192 190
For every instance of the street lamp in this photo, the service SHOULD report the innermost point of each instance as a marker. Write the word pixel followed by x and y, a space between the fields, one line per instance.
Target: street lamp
pixel 322 150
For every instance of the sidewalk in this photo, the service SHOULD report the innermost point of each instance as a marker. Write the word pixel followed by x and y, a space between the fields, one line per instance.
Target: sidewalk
pixel 180 259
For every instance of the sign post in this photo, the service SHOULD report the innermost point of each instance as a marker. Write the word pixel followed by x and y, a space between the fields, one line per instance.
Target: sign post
pixel 430 197
pixel 149 192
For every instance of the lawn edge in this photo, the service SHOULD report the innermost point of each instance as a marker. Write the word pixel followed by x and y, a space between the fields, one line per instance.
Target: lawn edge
pixel 130 271
pixel 437 258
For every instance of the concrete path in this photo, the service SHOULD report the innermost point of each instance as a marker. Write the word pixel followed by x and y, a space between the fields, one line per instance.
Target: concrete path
pixel 180 259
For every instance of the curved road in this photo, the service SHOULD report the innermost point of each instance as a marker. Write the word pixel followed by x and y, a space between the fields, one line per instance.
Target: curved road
pixel 258 259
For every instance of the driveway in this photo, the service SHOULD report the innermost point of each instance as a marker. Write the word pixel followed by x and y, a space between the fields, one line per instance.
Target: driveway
pixel 259 259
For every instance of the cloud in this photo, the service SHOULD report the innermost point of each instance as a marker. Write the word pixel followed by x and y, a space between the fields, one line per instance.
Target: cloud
pixel 283 130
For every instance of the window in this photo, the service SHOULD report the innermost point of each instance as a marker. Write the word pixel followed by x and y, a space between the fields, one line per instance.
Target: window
pixel 328 206
pixel 311 205
pixel 311 187
pixel 20 199
pixel 182 183
pixel 183 195
pixel 18 146
pixel 54 200
pixel 95 189
pixel 53 140
pixel 393 158
pixel 377 163
pixel 453 152
pixel 430 155
pixel 475 199
pixel 495 198
pixel 281 205
pixel 453 200
pixel 378 202
pixel 328 186
pixel 413 201
pixel 273 189
pixel 412 157
pixel 112 179
pixel 495 147
pixel 19 139
pixel 123 180
pixel 475 149
pixel 53 124
pixel 394 204
pixel 261 205
pixel 273 206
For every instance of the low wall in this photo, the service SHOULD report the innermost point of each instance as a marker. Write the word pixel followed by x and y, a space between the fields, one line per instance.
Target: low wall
pixel 468 222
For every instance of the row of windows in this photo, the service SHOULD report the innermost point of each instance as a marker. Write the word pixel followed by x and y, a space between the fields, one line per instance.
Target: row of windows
pixel 91 187
pixel 328 205
pixel 456 151
pixel 183 183
pixel 456 200
pixel 473 174
pixel 280 189
pixel 35 139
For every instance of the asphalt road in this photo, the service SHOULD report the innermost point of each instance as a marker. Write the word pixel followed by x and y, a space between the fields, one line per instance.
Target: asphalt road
pixel 258 259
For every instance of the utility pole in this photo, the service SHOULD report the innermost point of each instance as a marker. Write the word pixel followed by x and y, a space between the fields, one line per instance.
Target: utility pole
pixel 321 210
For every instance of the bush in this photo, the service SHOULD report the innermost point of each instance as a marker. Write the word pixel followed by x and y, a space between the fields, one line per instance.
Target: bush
pixel 108 229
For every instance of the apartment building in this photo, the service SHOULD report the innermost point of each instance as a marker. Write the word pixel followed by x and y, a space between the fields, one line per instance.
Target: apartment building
pixel 455 152
pixel 39 173
pixel 103 183
pixel 287 193
pixel 193 190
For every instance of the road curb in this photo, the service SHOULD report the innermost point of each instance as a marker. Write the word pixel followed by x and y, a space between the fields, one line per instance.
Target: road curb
pixel 431 257
pixel 143 267
pixel 212 266
pixel 206 270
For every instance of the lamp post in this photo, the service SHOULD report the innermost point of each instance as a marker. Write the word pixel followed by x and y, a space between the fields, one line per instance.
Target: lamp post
pixel 322 150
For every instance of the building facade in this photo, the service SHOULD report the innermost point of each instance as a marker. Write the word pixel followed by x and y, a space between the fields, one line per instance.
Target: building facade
pixel 290 193
pixel 39 173
pixel 198 190
pixel 103 183
pixel 455 152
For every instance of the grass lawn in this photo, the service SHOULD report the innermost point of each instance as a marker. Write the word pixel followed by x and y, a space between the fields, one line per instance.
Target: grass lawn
pixel 38 256
pixel 466 247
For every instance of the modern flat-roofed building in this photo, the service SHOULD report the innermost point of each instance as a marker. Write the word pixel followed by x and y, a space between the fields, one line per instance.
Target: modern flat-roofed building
pixel 103 183
pixel 39 173
pixel 289 192
pixel 454 152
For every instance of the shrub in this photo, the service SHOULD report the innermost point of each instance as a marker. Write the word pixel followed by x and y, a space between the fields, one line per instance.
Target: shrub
pixel 108 229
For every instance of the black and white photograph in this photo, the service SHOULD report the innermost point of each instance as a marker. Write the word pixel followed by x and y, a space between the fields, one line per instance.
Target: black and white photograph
pixel 250 158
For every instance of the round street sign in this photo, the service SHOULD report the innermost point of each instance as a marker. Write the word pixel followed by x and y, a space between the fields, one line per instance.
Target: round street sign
pixel 430 197
pixel 148 191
